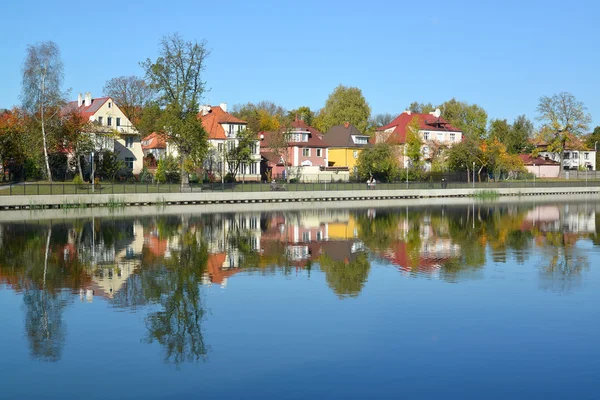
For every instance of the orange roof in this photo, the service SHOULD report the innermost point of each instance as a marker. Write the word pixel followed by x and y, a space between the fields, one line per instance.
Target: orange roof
pixel 212 122
pixel 154 141
pixel 215 265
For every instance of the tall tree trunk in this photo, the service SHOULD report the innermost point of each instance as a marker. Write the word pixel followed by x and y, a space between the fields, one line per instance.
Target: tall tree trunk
pixel 185 177
pixel 42 109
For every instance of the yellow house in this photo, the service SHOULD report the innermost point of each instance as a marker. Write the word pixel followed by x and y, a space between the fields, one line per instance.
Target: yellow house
pixel 345 143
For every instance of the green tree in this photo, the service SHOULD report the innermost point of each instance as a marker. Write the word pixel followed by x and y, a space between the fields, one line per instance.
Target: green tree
pixel 303 113
pixel 562 115
pixel 344 104
pixel 176 75
pixel 378 161
pixel 413 145
pixel 421 108
pixel 42 95
pixel 469 118
pixel 592 142
pixel 521 132
pixel 461 156
pixel 109 165
pixel 346 278
pixel 241 153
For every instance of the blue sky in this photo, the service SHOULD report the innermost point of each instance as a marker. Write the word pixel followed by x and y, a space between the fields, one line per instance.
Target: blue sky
pixel 500 55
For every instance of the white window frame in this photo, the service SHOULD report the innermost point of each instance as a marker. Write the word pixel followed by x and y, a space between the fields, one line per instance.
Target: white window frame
pixel 306 152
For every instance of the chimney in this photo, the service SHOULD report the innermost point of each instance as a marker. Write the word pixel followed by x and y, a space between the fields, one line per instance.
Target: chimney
pixel 407 111
pixel 223 106
pixel 79 100
pixel 346 124
pixel 88 99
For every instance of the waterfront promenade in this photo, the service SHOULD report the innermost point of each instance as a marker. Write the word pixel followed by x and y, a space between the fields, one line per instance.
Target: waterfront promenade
pixel 332 194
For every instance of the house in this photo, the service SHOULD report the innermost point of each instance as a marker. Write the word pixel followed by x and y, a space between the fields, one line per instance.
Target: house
pixel 542 167
pixel 345 143
pixel 116 133
pixel 222 129
pixel 306 152
pixel 434 131
pixel 154 147
pixel 576 156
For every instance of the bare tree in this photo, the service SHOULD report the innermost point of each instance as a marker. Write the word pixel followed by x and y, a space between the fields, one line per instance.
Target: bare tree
pixel 131 94
pixel 176 75
pixel 42 96
pixel 562 115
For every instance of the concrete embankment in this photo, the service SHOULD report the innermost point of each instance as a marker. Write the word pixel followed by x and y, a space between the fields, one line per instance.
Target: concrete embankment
pixel 239 201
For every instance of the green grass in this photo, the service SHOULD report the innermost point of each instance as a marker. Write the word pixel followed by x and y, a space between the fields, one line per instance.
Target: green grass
pixel 486 194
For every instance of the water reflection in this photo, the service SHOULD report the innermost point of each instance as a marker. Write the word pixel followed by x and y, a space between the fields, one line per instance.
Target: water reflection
pixel 164 262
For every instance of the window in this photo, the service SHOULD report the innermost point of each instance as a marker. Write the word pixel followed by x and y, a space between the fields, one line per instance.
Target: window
pixel 109 104
pixel 230 130
pixel 253 169
pixel 253 223
pixel 440 136
pixel 230 145
pixel 319 236
pixel 586 156
pixel 243 168
pixel 426 151
pixel 306 236
pixel 220 147
pixel 567 156
pixel 355 154
pixel 426 135
pixel 118 121
pixel 319 153
pixel 109 121
pixel 129 142
pixel 254 148
pixel 453 137
pixel 575 155
pixel 129 162
pixel 306 152
pixel 360 140
pixel 100 120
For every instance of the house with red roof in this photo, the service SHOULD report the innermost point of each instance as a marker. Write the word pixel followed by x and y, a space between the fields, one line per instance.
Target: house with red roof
pixel 115 132
pixel 222 129
pixel 306 152
pixel 434 131
pixel 542 167
pixel 154 147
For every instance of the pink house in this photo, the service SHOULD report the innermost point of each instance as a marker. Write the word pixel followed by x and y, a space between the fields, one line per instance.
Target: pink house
pixel 542 167
pixel 305 149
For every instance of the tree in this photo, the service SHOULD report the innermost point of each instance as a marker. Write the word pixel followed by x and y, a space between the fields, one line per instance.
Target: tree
pixel 522 131
pixel 131 94
pixel 176 75
pixel 378 161
pixel 592 142
pixel 344 104
pixel 303 113
pixel 264 116
pixel 42 96
pixel 421 108
pixel 76 140
pixel 413 145
pixel 380 120
pixel 240 155
pixel 562 115
pixel 13 138
pixel 461 156
pixel 469 118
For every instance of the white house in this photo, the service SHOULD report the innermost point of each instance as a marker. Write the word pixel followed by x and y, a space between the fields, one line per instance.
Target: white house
pixel 574 159
pixel 222 129
pixel 106 114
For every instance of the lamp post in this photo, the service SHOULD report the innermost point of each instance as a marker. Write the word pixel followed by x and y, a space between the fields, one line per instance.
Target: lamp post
pixel 534 174
pixel 92 171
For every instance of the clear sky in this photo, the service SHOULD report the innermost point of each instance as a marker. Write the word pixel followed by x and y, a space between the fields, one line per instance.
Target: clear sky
pixel 502 55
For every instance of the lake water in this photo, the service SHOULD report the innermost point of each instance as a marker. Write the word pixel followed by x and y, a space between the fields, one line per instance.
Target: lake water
pixel 470 301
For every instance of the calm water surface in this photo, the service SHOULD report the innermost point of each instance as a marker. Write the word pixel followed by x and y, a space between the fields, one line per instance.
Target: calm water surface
pixel 478 301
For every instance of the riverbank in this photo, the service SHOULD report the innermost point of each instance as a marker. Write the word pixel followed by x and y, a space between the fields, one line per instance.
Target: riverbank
pixel 141 209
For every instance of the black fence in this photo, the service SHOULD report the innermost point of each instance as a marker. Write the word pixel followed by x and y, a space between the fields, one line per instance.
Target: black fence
pixel 443 182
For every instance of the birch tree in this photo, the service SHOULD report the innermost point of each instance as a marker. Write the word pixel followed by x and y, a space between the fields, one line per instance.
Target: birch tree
pixel 41 88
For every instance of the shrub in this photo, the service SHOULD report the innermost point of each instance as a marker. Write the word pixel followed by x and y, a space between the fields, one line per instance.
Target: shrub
pixel 146 176
pixel 78 180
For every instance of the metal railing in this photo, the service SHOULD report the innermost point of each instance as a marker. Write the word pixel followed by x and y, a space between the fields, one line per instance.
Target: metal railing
pixel 36 189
